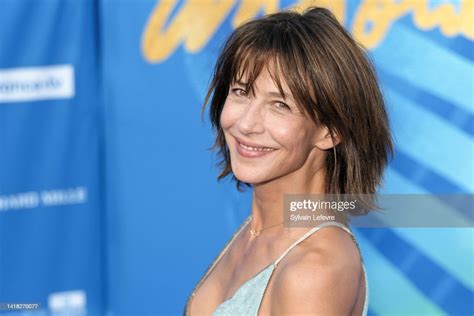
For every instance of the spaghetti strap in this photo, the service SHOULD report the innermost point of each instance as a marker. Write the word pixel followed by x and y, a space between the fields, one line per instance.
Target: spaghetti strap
pixel 230 242
pixel 311 231
pixel 211 267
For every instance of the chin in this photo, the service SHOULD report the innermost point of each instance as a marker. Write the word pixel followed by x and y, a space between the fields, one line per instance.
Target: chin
pixel 253 175
pixel 250 179
pixel 249 175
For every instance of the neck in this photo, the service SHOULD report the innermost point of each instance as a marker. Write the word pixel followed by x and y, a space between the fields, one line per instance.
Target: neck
pixel 267 198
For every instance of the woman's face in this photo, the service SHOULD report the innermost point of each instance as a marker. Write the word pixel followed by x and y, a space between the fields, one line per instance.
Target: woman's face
pixel 268 137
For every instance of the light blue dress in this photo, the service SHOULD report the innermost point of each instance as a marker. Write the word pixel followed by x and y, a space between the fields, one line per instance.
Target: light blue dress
pixel 248 297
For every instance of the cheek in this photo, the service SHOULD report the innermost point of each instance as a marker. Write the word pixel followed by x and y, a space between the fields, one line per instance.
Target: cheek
pixel 229 115
pixel 293 136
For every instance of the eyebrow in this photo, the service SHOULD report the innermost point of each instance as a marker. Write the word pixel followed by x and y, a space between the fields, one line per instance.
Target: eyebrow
pixel 271 93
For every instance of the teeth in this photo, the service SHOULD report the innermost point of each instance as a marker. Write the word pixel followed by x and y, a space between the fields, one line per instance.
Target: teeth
pixel 256 148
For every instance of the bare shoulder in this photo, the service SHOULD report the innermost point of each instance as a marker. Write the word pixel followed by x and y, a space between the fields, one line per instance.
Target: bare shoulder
pixel 320 276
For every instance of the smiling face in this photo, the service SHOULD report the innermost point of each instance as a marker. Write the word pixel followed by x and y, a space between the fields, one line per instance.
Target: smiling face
pixel 268 136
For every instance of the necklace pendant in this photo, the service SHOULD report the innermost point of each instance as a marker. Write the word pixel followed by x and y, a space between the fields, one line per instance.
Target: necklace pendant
pixel 254 232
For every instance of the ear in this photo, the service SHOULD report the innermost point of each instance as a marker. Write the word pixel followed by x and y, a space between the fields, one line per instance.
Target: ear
pixel 324 141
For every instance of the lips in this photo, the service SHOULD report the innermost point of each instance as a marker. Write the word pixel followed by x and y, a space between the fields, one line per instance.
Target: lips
pixel 251 150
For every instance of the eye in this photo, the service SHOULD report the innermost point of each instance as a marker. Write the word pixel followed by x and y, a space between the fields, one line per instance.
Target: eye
pixel 239 92
pixel 282 106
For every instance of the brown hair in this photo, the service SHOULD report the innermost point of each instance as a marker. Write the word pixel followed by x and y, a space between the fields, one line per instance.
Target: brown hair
pixel 332 81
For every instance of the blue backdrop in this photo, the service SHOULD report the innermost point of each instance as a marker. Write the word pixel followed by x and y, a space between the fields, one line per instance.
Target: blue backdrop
pixel 109 202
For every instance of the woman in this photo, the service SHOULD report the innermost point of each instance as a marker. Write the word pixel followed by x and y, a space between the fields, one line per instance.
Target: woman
pixel 297 109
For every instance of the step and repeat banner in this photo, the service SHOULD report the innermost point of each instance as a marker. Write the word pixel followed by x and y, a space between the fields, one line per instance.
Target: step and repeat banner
pixel 109 202
pixel 51 229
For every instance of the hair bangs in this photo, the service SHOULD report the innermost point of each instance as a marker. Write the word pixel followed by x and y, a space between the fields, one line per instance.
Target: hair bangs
pixel 248 63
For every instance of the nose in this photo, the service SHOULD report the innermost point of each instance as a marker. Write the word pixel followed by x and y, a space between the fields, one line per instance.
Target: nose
pixel 251 120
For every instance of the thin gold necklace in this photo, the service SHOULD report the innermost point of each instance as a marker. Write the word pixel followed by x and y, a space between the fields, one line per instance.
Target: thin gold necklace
pixel 256 232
